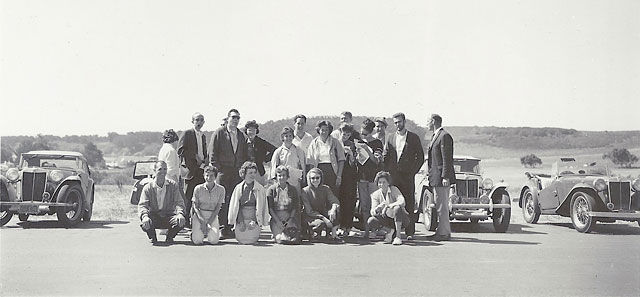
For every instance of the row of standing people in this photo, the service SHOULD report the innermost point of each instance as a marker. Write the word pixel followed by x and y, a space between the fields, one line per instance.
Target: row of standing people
pixel 345 160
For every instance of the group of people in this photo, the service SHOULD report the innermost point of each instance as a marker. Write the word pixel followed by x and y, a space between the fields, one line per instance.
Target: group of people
pixel 219 187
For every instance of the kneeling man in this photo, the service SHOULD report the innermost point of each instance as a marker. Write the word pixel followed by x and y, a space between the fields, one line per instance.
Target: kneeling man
pixel 161 205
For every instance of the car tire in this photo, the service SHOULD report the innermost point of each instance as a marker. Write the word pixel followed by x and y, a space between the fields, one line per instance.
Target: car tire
pixel 581 203
pixel 70 193
pixel 23 217
pixel 430 214
pixel 530 209
pixel 86 216
pixel 5 213
pixel 501 216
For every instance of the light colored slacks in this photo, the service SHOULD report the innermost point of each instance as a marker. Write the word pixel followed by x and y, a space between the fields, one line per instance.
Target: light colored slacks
pixel 441 197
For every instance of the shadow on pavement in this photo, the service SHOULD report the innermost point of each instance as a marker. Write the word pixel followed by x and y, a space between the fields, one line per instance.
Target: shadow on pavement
pixel 58 225
pixel 487 227
pixel 455 238
pixel 607 228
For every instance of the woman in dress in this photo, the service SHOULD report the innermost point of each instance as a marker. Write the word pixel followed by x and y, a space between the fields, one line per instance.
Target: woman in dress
pixel 207 201
pixel 369 157
pixel 284 207
pixel 291 157
pixel 248 208
pixel 326 153
pixel 387 209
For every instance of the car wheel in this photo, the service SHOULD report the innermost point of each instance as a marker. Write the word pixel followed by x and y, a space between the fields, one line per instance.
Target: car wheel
pixel 581 204
pixel 23 217
pixel 430 214
pixel 5 213
pixel 502 216
pixel 530 210
pixel 70 215
pixel 86 216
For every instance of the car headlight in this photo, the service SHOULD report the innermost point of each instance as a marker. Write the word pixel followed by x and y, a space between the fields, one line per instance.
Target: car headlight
pixel 56 176
pixel 600 184
pixel 13 174
pixel 636 185
pixel 487 184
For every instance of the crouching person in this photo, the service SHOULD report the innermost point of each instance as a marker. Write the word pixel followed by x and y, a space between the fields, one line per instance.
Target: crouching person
pixel 207 201
pixel 248 208
pixel 320 206
pixel 387 209
pixel 284 207
pixel 161 205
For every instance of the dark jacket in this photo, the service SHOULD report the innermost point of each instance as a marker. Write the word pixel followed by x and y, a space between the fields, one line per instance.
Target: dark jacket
pixel 440 162
pixel 411 159
pixel 188 149
pixel 221 152
pixel 260 152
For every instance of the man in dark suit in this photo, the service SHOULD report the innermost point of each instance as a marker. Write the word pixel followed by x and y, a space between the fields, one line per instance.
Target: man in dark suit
pixel 441 174
pixel 227 151
pixel 403 157
pixel 192 148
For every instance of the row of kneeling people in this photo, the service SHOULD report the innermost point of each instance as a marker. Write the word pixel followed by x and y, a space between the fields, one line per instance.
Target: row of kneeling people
pixel 312 212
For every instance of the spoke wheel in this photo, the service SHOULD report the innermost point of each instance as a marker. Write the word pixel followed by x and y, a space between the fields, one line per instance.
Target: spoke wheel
pixel 501 216
pixel 70 215
pixel 23 217
pixel 5 213
pixel 581 204
pixel 430 214
pixel 530 211
pixel 89 211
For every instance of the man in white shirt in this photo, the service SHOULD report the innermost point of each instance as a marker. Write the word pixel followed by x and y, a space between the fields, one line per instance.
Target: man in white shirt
pixel 301 138
pixel 161 205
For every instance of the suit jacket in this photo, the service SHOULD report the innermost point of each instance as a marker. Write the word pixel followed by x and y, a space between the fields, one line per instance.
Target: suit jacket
pixel 411 159
pixel 188 150
pixel 221 152
pixel 262 152
pixel 441 159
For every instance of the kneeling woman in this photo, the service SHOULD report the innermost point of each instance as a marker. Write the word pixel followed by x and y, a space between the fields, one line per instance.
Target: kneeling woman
pixel 248 208
pixel 207 201
pixel 284 207
pixel 387 209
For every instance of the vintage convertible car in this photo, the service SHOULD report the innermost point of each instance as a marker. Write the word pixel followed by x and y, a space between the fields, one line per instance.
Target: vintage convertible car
pixel 48 182
pixel 586 193
pixel 472 198
pixel 142 173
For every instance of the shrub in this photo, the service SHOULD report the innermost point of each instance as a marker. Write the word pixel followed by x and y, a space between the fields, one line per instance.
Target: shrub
pixel 530 160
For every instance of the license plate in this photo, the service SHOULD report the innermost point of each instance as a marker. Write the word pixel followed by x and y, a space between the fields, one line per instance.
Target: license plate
pixel 29 209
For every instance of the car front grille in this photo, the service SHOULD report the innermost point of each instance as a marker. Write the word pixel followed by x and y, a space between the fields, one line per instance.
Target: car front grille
pixel 33 185
pixel 467 188
pixel 620 195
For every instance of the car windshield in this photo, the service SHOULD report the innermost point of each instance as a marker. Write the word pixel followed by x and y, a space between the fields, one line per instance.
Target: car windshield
pixel 575 168
pixel 468 166
pixel 49 161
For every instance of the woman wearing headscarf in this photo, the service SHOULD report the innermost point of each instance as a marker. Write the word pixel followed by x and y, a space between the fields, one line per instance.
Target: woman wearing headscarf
pixel 248 208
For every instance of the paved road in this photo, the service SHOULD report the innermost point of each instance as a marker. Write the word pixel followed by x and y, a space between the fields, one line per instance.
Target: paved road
pixel 114 258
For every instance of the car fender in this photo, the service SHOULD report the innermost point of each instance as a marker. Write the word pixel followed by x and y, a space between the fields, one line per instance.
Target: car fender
pixel 13 196
pixel 532 185
pixel 69 181
pixel 497 187
pixel 564 207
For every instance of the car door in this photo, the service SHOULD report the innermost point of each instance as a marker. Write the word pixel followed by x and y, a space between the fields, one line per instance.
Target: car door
pixel 548 197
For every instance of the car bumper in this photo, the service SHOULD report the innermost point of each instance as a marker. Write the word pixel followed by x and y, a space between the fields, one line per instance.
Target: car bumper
pixel 615 215
pixel 31 207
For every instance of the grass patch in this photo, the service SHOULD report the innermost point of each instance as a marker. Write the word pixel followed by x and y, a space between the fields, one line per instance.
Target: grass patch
pixel 112 203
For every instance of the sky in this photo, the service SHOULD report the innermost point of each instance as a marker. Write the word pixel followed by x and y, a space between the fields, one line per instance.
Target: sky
pixel 93 67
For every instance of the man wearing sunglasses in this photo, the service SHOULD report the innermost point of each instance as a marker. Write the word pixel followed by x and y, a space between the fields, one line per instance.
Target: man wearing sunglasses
pixel 227 151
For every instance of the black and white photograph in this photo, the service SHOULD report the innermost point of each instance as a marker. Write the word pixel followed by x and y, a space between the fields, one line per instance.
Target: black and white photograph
pixel 319 148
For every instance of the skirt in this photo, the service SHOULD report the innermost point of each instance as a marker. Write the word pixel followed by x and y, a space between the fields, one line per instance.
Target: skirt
pixel 247 234
pixel 290 233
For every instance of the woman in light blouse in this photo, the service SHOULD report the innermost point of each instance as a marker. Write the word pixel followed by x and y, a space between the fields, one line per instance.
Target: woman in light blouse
pixel 387 209
pixel 326 153
pixel 291 157
pixel 248 208
pixel 169 155
pixel 284 207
